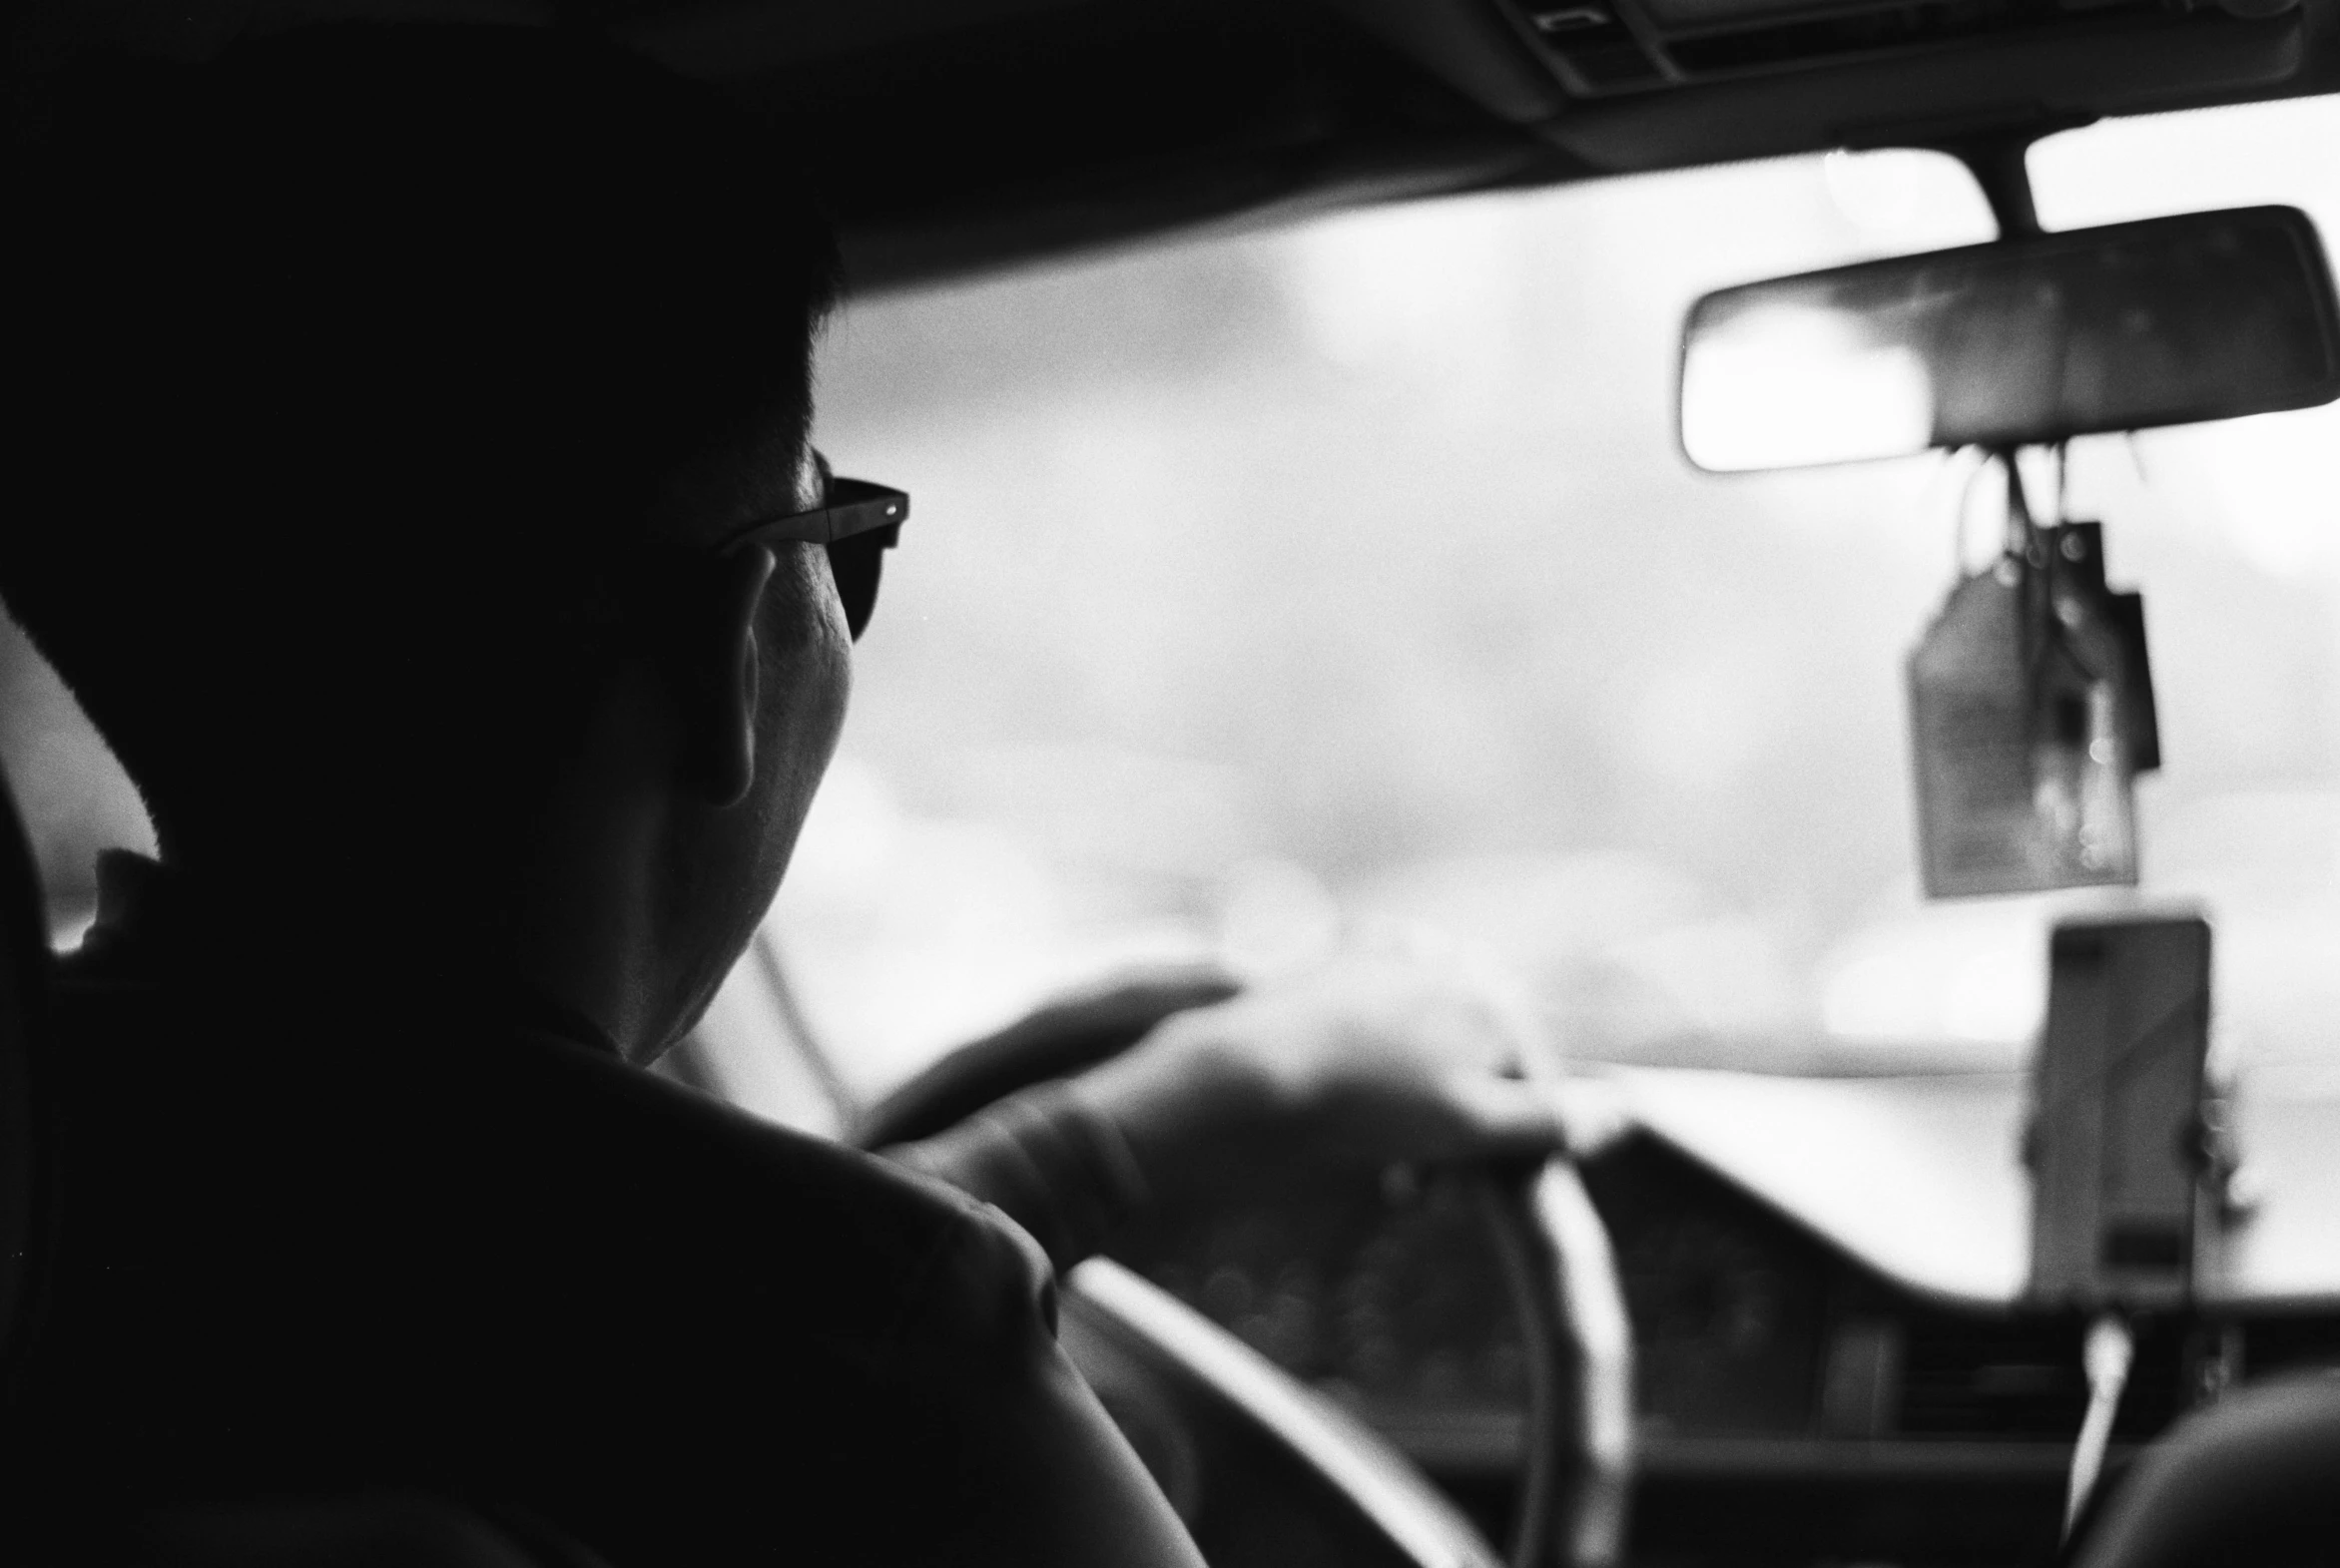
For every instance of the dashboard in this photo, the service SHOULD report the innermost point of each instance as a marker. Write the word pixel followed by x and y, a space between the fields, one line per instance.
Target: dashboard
pixel 1793 1404
pixel 1823 1276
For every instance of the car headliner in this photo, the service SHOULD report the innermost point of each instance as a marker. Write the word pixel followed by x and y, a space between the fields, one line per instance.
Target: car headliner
pixel 956 136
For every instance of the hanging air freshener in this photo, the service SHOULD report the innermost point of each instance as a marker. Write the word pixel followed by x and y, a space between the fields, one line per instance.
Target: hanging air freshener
pixel 2031 713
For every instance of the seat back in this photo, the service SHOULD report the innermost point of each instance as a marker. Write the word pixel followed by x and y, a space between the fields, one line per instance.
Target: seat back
pixel 2251 1482
pixel 27 1127
pixel 385 1528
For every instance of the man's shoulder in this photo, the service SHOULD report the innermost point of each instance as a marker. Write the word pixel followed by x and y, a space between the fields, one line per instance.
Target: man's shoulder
pixel 542 1170
pixel 833 1241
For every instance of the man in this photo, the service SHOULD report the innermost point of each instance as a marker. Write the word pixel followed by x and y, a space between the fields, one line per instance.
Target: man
pixel 404 413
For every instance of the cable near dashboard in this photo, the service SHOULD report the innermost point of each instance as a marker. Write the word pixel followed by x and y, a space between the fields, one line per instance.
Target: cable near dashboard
pixel 2106 1358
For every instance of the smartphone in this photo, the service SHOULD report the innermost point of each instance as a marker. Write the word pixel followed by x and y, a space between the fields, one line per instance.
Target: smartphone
pixel 2121 1211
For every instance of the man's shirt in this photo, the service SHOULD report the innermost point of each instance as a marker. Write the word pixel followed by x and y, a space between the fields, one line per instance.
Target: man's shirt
pixel 339 1220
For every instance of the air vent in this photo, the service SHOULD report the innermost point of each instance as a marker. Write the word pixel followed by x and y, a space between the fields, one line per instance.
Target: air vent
pixel 1975 1381
pixel 2021 1381
pixel 2288 1343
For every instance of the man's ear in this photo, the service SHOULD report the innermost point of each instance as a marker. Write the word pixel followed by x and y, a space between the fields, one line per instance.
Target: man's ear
pixel 719 679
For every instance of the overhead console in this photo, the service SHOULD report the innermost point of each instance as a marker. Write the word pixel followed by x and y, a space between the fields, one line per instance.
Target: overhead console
pixel 1659 84
pixel 1601 48
pixel 1622 86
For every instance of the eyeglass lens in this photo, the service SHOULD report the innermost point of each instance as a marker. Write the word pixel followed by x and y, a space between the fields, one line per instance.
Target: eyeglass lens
pixel 855 564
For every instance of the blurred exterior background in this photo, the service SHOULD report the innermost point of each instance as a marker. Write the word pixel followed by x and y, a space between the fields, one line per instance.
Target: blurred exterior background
pixel 1263 586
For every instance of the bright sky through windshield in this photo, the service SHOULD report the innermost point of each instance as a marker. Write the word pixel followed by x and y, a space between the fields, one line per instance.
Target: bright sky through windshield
pixel 1268 583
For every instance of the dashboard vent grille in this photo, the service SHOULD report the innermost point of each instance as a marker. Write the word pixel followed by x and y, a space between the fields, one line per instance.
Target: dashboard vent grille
pixel 2291 1343
pixel 2021 1381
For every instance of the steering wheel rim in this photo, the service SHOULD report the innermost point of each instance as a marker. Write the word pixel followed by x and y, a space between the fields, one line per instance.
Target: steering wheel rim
pixel 1553 1253
pixel 1578 1444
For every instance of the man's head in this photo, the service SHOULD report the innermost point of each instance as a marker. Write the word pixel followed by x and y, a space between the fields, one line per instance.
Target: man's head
pixel 383 392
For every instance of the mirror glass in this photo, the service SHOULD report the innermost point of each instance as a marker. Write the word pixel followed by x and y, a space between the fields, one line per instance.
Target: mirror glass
pixel 2209 316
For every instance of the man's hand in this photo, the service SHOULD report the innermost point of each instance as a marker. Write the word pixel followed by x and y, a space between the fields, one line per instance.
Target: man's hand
pixel 1369 1059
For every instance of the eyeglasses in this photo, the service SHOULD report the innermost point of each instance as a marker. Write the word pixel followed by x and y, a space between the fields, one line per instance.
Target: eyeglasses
pixel 858 522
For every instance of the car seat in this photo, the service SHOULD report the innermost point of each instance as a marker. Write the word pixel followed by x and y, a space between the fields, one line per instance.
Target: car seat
pixel 28 1145
pixel 388 1530
pixel 2251 1482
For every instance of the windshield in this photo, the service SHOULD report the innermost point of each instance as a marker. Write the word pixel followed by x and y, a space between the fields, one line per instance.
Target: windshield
pixel 1270 585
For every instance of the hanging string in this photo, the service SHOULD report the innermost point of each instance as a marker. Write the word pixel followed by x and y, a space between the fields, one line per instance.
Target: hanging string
pixel 2023 535
pixel 1960 520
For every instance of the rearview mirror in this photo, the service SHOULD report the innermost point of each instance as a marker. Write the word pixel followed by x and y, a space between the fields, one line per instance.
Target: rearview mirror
pixel 2209 316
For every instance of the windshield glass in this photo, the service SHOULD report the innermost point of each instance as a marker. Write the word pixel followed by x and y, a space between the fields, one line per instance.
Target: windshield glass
pixel 1270 585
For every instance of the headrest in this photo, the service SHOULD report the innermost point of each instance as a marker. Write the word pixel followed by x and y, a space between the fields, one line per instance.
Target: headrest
pixel 27 1141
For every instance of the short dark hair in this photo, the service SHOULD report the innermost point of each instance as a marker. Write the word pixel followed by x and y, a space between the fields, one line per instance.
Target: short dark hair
pixel 343 360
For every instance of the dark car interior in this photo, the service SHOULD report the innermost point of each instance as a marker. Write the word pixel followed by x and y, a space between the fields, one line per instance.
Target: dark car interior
pixel 1793 1401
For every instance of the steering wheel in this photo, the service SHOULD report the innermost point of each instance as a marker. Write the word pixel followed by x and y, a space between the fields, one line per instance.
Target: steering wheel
pixel 1148 1356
